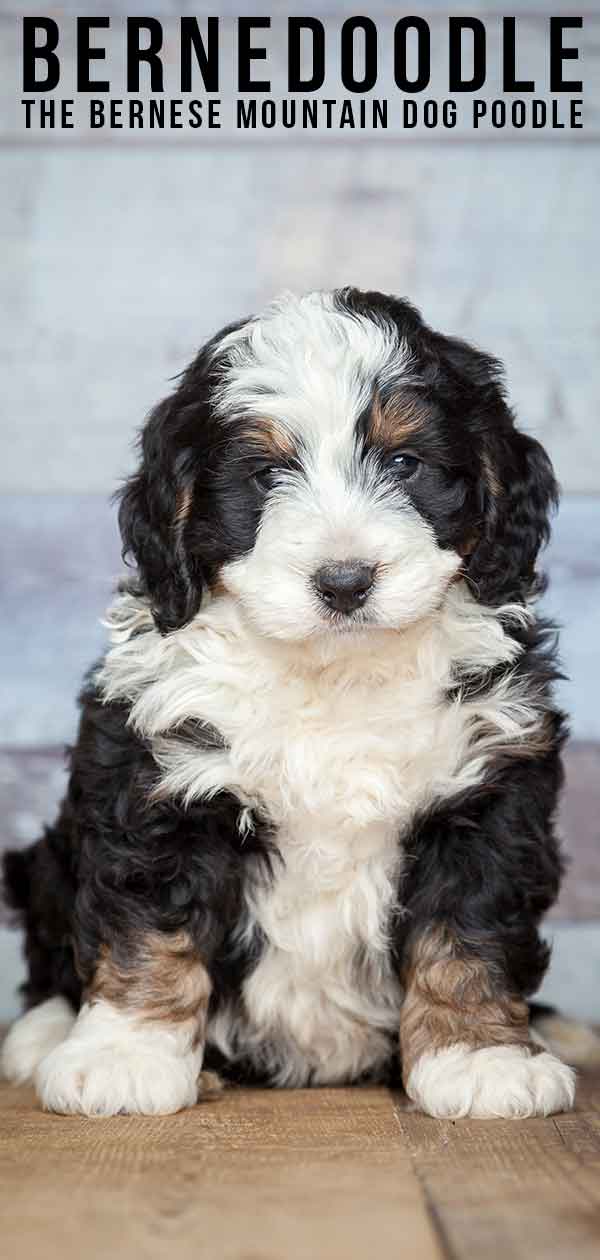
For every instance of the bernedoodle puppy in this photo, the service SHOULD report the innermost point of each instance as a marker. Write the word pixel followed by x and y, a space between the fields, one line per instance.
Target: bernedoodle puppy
pixel 308 832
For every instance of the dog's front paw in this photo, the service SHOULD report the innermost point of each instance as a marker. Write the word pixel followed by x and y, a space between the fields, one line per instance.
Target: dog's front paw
pixel 504 1081
pixel 33 1036
pixel 110 1080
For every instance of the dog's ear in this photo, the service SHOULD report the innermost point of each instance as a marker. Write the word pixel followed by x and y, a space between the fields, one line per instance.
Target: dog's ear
pixel 166 514
pixel 518 493
pixel 154 512
pixel 517 490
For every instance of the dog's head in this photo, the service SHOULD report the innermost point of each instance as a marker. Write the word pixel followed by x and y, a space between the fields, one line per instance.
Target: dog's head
pixel 334 464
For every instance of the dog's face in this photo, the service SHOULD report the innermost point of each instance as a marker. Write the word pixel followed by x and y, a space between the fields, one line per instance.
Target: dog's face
pixel 335 465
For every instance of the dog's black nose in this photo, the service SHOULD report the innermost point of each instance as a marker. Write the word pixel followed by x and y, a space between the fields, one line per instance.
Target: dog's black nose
pixel 345 586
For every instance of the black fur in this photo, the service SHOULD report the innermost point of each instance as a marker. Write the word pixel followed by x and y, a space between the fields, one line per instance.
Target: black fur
pixel 471 433
pixel 117 863
pixel 115 866
pixel 487 866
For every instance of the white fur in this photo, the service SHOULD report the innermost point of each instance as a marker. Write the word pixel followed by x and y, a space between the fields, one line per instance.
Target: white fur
pixel 339 745
pixel 505 1081
pixel 33 1036
pixel 308 364
pixel 321 516
pixel 113 1063
pixel 312 369
pixel 338 735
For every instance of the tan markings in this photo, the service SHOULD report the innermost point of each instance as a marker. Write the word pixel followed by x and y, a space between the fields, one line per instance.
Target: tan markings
pixel 164 980
pixel 218 587
pixel 183 505
pixel 270 437
pixel 210 1083
pixel 495 492
pixel 452 998
pixel 491 478
pixel 467 547
pixel 396 422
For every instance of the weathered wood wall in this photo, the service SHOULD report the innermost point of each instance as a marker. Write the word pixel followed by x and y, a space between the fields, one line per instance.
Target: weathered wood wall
pixel 121 252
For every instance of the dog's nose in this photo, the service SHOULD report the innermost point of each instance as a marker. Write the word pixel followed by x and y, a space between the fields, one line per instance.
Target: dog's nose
pixel 344 586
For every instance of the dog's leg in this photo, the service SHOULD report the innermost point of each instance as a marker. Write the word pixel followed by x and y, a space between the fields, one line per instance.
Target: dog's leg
pixel 137 1043
pixel 465 1040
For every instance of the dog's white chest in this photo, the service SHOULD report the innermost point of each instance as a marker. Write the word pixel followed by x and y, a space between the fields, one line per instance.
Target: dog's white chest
pixel 334 762
pixel 339 756
pixel 338 770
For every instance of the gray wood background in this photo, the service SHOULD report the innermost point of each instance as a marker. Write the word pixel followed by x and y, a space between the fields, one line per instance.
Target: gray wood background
pixel 121 252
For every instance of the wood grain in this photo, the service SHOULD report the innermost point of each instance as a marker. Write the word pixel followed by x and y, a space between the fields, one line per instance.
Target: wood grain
pixel 253 1175
pixel 267 1175
pixel 519 1189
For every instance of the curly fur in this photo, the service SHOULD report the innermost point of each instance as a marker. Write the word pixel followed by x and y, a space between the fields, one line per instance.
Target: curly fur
pixel 309 791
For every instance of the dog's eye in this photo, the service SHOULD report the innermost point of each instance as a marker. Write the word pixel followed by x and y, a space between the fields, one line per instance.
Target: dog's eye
pixel 263 479
pixel 404 465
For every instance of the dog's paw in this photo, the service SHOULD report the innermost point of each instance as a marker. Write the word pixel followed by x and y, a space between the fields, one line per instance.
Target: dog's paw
pixel 114 1062
pixel 112 1080
pixel 33 1036
pixel 501 1081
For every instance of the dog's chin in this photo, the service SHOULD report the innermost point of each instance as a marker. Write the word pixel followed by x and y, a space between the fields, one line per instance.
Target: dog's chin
pixel 327 636
pixel 303 633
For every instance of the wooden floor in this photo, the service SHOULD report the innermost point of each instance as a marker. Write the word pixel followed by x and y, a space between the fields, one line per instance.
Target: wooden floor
pixel 337 1174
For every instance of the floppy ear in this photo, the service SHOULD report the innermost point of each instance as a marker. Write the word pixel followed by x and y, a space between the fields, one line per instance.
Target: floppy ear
pixel 518 492
pixel 517 488
pixel 153 519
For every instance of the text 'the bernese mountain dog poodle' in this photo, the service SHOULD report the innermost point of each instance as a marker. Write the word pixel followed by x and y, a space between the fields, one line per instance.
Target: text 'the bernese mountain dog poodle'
pixel 308 832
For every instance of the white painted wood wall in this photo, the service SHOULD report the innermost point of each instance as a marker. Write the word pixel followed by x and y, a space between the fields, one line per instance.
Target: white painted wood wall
pixel 120 254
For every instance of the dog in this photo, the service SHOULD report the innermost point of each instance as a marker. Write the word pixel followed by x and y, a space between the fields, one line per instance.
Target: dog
pixel 308 835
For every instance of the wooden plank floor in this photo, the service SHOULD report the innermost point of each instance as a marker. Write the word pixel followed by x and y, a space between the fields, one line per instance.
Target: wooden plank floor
pixel 262 1175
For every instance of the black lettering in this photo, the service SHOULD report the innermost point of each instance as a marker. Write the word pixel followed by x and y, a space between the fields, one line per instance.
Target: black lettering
pixel 499 114
pixel 329 107
pixel 312 82
pixel 538 114
pixel 195 110
pixel 510 82
pixel 246 114
pixel 558 54
pixel 268 115
pixel 369 79
pixel 423 54
pixel 247 54
pixel 207 55
pixel 457 82
pixel 116 115
pixel 33 52
pixel 85 54
pixel 135 54
pixel 96 114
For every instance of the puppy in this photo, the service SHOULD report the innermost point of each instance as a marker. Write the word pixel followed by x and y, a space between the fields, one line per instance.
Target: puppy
pixel 308 831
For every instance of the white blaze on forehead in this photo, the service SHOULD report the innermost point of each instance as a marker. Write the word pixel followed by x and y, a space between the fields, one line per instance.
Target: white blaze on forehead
pixel 309 364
